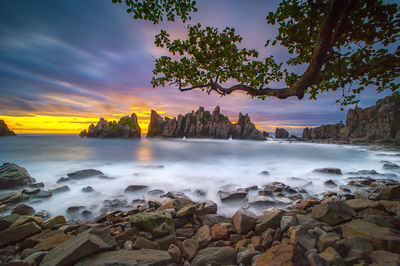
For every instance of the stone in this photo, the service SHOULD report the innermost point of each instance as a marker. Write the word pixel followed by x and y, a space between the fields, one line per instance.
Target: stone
pixel 31 191
pixel 35 258
pixel 281 133
pixel 166 241
pixel 158 223
pixel 75 209
pixel 87 189
pixel 232 195
pixel 186 211
pixel 390 193
pixel 390 166
pixel 155 192
pixel 256 241
pixel 327 240
pixel 243 221
pixel 16 234
pixel 58 188
pixel 23 209
pixel 63 180
pixel 270 219
pixel 4 130
pixel 91 241
pixel 128 257
pixel 330 183
pixel 206 207
pixel 42 195
pixel 215 256
pixel 134 188
pixel 332 212
pixel 14 176
pixel 260 201
pixel 264 172
pixel 46 240
pixel 316 260
pixel 23 219
pixel 175 253
pixel 211 219
pixel 203 236
pixel 8 220
pixel 331 171
pixel 246 256
pixel 359 243
pixel 185 232
pixel 189 248
pixel 86 173
pixel 307 221
pixel 361 204
pixel 221 231
pixel 281 254
pixel 36 185
pixel 175 204
pixel 300 236
pixel 308 203
pixel 382 257
pixel 288 221
pixel 142 242
pixel 380 237
pixel 332 257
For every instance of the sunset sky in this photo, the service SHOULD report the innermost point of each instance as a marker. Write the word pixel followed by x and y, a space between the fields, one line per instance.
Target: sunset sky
pixel 64 64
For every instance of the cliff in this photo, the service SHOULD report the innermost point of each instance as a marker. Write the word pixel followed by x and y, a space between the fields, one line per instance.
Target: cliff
pixel 203 124
pixel 127 127
pixel 377 123
pixel 4 131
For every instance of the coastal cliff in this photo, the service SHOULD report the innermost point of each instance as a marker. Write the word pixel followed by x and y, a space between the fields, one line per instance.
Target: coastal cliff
pixel 127 127
pixel 203 124
pixel 4 130
pixel 377 123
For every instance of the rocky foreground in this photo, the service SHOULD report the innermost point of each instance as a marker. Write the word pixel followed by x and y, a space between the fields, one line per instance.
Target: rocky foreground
pixel 340 228
pixel 4 130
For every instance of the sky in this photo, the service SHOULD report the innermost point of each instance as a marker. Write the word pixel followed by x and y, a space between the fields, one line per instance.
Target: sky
pixel 65 64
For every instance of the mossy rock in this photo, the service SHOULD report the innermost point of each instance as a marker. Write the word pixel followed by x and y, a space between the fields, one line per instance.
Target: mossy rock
pixel 158 223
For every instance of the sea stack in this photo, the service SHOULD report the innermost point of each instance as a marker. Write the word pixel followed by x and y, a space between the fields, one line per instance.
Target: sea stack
pixel 4 130
pixel 127 127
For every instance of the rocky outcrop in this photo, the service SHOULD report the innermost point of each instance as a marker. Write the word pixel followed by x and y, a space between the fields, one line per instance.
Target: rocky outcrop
pixel 4 130
pixel 13 176
pixel 377 123
pixel 281 133
pixel 127 127
pixel 203 124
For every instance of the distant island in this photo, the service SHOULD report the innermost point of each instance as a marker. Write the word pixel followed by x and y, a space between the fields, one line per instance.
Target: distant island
pixel 4 130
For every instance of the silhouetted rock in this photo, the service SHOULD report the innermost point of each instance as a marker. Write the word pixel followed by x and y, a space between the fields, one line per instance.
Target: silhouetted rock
pixel 281 133
pixel 127 127
pixel 203 124
pixel 4 131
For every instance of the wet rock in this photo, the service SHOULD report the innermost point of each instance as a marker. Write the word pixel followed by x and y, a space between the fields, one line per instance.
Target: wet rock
pixel 115 203
pixel 281 254
pixel 54 221
pixel 232 195
pixel 206 207
pixel 264 173
pixel 246 256
pixel 42 195
pixel 75 209
pixel 359 243
pixel 8 220
pixel 31 191
pixel 243 221
pixel 331 171
pixel 270 219
pixel 158 223
pixel 200 192
pixel 16 234
pixel 176 195
pixel 142 242
pixel 299 236
pixel 189 248
pixel 288 221
pixel 260 201
pixel 382 257
pixel 215 256
pixel 390 193
pixel 23 219
pixel 330 183
pixel 361 204
pixel 87 189
pixel 58 189
pixel 86 173
pixel 35 258
pixel 36 185
pixel 316 260
pixel 308 203
pixel 390 166
pixel 134 188
pixel 176 204
pixel 203 236
pixel 86 243
pixel 221 231
pixel 63 180
pixel 155 192
pixel 23 209
pixel 128 257
pixel 332 212
pixel 14 176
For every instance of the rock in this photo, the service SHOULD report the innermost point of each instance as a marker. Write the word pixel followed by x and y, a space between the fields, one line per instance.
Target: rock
pixel 332 257
pixel 166 241
pixel 158 223
pixel 316 260
pixel 299 236
pixel 211 219
pixel 58 188
pixel 43 194
pixel 308 203
pixel 55 221
pixel 281 254
pixel 382 257
pixel 176 195
pixel 185 232
pixel 206 207
pixel 35 258
pixel 390 166
pixel 331 171
pixel 203 236
pixel 31 191
pixel 270 219
pixel 128 257
pixel 75 209
pixel 189 248
pixel 63 180
pixel 359 243
pixel 330 183
pixel 243 221
pixel 46 240
pixel 23 219
pixel 91 241
pixel 36 185
pixel 327 240
pixel 86 173
pixel 87 189
pixel 127 127
pixel 14 176
pixel 380 237
pixel 324 132
pixel 246 256
pixel 186 211
pixel 176 204
pixel 175 253
pixel 332 212
pixel 361 204
pixel 288 221
pixel 8 220
pixel 264 173
pixel 134 188
pixel 221 231
pixel 4 130
pixel 142 242
pixel 23 209
pixel 16 234
pixel 260 201
pixel 115 203
pixel 390 193
pixel 232 195
pixel 281 133
pixel 215 256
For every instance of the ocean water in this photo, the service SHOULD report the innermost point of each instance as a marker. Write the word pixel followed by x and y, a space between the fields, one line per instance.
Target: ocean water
pixel 181 165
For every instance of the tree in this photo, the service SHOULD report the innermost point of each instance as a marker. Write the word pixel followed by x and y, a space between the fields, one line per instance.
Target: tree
pixel 344 44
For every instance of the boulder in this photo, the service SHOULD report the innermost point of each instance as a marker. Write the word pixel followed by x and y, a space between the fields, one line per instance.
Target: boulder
pixel 211 219
pixel 243 221
pixel 270 219
pixel 128 257
pixel 158 223
pixel 232 195
pixel 134 188
pixel 382 257
pixel 175 253
pixel 18 233
pixel 332 257
pixel 206 207
pixel 281 254
pixel 330 171
pixel 58 188
pixel 332 212
pixel 142 242
pixel 46 240
pixel 23 209
pixel 203 236
pixel 246 256
pixel 87 189
pixel 281 133
pixel 299 236
pixel 91 241
pixel 287 222
pixel 8 220
pixel 189 248
pixel 221 231
pixel 14 176
pixel 86 173
pixel 361 204
pixel 215 256
pixel 54 221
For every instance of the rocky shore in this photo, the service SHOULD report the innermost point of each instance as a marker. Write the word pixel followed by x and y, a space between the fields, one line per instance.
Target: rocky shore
pixel 127 127
pixel 203 124
pixel 4 130
pixel 354 224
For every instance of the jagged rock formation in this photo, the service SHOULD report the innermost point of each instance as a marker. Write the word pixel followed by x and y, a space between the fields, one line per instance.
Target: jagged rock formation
pixel 203 124
pixel 377 123
pixel 4 131
pixel 127 127
pixel 281 133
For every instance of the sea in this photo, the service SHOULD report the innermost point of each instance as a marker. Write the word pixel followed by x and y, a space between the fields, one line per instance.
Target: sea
pixel 183 165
